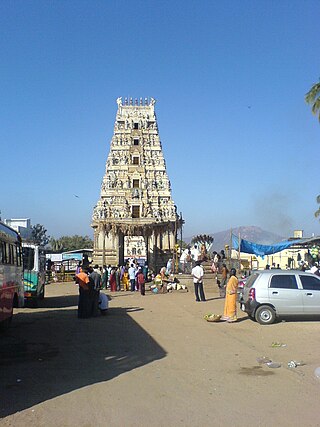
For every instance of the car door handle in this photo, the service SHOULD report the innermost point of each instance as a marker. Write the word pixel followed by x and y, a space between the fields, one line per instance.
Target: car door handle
pixel 274 293
pixel 309 294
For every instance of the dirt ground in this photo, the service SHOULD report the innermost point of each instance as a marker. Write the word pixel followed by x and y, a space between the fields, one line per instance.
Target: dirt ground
pixel 154 361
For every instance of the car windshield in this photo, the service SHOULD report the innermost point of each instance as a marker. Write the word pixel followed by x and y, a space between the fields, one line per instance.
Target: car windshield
pixel 251 279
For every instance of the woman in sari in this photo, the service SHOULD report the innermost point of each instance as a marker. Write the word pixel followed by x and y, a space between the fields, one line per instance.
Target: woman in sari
pixel 230 306
pixel 112 280
pixel 125 280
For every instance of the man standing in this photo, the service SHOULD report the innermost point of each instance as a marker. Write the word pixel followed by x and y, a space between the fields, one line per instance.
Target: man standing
pixel 197 274
pixel 195 254
pixel 132 277
pixel 141 281
pixel 95 277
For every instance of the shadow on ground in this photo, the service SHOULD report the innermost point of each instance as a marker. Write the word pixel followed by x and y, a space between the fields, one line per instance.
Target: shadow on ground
pixel 53 302
pixel 46 354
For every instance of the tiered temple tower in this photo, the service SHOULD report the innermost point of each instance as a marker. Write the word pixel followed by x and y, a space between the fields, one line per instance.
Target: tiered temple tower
pixel 135 197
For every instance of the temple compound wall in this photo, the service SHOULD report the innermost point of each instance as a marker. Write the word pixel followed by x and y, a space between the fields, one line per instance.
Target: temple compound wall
pixel 135 197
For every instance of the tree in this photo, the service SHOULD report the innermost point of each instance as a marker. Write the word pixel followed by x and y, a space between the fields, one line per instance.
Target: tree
pixel 182 244
pixel 313 98
pixel 71 243
pixel 317 213
pixel 56 245
pixel 39 235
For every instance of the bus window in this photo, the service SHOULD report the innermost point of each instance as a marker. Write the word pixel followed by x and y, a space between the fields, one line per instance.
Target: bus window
pixel 14 252
pixel 10 260
pixel 18 248
pixel 28 258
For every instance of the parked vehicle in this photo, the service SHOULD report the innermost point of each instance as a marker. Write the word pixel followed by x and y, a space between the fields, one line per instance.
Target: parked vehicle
pixel 11 283
pixel 34 271
pixel 241 285
pixel 269 294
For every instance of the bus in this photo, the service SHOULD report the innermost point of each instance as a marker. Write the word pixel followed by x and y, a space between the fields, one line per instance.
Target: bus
pixel 11 282
pixel 34 271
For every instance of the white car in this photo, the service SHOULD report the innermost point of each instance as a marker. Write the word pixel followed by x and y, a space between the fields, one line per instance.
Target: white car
pixel 269 294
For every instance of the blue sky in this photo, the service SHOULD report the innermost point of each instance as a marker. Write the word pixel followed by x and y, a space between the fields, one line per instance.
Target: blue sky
pixel 229 77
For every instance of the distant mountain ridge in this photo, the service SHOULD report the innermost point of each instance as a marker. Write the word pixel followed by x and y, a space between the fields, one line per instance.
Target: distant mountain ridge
pixel 251 233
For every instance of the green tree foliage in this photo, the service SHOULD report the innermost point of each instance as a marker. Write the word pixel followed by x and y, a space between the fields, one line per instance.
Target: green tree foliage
pixel 317 212
pixel 182 244
pixel 71 243
pixel 39 235
pixel 313 98
pixel 55 244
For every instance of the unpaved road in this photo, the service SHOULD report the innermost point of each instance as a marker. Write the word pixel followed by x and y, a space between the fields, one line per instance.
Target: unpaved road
pixel 154 361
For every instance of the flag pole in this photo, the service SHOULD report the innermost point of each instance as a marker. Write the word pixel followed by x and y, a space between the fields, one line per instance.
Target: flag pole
pixel 239 244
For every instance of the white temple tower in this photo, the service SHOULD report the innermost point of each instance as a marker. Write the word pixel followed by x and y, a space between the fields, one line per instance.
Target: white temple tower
pixel 135 198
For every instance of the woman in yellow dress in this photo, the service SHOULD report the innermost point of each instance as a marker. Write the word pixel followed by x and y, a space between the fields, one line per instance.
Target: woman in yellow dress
pixel 125 280
pixel 230 306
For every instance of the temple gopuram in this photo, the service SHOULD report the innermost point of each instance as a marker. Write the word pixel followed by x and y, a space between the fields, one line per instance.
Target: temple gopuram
pixel 135 200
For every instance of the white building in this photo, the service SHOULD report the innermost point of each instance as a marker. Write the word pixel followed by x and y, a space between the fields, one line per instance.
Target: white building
pixel 21 225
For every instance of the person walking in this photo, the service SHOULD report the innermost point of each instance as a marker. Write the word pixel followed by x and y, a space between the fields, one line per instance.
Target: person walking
pixel 197 274
pixel 230 306
pixel 141 281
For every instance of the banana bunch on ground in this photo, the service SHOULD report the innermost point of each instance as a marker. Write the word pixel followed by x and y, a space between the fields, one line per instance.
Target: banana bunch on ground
pixel 211 317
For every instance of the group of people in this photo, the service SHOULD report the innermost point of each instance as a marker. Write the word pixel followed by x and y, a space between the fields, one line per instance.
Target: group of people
pixel 228 289
pixel 191 255
pixel 91 300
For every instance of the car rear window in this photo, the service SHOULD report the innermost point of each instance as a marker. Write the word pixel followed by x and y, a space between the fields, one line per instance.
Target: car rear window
pixel 283 281
pixel 310 283
pixel 250 280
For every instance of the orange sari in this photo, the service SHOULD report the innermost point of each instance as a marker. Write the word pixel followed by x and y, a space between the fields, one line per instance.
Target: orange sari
pixel 230 306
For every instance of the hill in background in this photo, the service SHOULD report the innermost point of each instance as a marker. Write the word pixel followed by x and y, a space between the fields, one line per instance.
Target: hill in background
pixel 251 233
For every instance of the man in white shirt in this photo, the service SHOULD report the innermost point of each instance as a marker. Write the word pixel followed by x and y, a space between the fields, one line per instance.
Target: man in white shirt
pixel 132 277
pixel 197 274
pixel 183 260
pixel 195 254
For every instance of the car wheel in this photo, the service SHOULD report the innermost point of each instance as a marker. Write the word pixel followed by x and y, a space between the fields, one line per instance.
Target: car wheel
pixel 265 315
